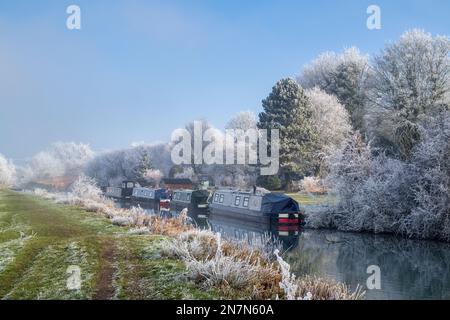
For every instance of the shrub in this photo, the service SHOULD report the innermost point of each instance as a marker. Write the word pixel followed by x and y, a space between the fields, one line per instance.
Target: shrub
pixel 269 182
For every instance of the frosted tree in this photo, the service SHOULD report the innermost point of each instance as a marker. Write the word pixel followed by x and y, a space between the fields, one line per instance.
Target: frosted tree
pixel 380 194
pixel 330 120
pixel 288 109
pixel 350 166
pixel 7 173
pixel 61 158
pixel 244 120
pixel 153 176
pixel 429 171
pixel 143 164
pixel 343 75
pixel 243 175
pixel 186 172
pixel 371 191
pixel 160 157
pixel 204 125
pixel 111 168
pixel 411 78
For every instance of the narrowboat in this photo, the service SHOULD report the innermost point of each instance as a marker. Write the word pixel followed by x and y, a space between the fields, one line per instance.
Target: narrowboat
pixel 155 197
pixel 123 192
pixel 196 201
pixel 141 194
pixel 262 208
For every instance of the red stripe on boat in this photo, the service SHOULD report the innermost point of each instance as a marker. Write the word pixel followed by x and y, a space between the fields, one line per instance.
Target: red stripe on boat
pixel 290 221
pixel 288 228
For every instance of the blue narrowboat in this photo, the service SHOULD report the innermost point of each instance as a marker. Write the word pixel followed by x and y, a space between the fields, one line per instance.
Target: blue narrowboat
pixel 123 192
pixel 263 208
pixel 141 194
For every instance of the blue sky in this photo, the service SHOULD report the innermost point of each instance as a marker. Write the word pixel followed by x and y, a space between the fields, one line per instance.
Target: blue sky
pixel 139 69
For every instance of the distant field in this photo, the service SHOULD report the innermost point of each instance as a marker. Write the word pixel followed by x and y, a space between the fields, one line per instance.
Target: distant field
pixel 310 199
pixel 39 240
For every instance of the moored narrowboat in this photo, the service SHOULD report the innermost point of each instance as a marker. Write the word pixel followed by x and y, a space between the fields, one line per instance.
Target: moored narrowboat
pixel 196 201
pixel 141 194
pixel 123 192
pixel 263 208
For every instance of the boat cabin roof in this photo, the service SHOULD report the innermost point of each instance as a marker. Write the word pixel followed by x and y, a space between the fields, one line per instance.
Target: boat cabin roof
pixel 269 202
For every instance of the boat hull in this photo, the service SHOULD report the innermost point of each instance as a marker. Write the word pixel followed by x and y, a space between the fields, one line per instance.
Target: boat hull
pixel 237 213
pixel 192 208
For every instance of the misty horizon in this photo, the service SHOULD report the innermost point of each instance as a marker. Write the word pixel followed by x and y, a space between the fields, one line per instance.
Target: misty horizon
pixel 136 71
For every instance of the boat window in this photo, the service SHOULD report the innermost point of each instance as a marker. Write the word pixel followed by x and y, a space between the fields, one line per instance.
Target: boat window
pixel 216 197
pixel 188 197
pixel 123 185
pixel 130 185
pixel 245 203
pixel 221 198
pixel 237 201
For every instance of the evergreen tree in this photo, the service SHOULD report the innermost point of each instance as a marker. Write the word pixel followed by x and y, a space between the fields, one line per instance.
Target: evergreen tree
pixel 347 87
pixel 288 109
pixel 144 164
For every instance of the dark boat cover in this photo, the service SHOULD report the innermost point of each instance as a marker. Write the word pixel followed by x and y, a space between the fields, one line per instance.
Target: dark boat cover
pixel 278 203
pixel 200 196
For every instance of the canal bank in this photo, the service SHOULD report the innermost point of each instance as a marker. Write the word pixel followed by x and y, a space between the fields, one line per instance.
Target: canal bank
pixel 409 269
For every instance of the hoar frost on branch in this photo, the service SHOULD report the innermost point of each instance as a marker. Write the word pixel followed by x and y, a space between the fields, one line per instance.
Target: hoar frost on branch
pixel 384 195
pixel 130 164
pixel 343 75
pixel 7 173
pixel 331 122
pixel 62 158
pixel 410 82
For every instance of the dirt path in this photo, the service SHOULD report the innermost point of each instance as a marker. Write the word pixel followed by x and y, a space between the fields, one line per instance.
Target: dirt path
pixel 105 287
pixel 40 240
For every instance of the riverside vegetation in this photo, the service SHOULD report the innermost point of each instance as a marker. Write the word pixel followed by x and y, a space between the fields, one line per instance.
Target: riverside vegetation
pixel 126 254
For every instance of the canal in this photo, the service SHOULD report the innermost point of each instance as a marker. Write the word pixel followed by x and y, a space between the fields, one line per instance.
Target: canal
pixel 409 269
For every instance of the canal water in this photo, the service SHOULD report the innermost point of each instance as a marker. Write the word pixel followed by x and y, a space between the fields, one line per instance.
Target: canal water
pixel 409 269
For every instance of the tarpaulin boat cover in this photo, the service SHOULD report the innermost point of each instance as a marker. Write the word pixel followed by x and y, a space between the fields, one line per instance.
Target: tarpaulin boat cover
pixel 200 196
pixel 161 194
pixel 278 203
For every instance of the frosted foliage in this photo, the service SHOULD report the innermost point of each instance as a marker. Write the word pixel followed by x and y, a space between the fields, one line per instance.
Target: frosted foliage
pixel 134 163
pixel 62 158
pixel 7 172
pixel 384 195
pixel 320 72
pixel 344 75
pixel 153 176
pixel 412 74
pixel 330 119
pixel 188 173
pixel 244 120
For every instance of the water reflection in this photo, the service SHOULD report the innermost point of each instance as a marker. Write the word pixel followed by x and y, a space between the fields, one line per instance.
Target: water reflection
pixel 288 236
pixel 409 269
